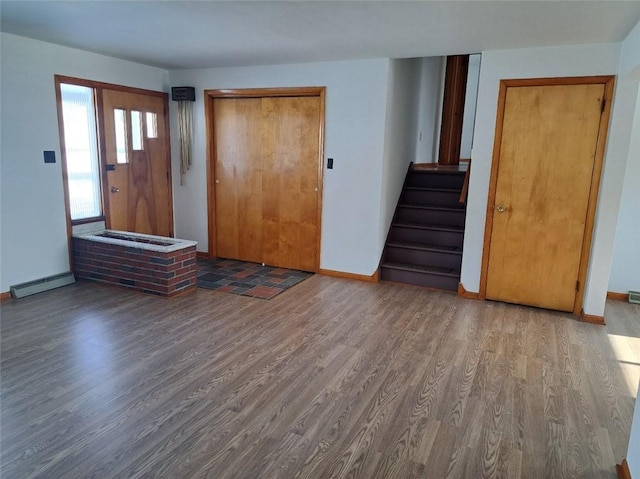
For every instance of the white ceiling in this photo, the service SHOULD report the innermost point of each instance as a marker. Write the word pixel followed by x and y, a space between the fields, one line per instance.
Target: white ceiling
pixel 198 34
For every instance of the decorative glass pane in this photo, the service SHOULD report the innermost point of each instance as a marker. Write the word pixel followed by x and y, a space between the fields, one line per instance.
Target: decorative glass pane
pixel 136 131
pixel 81 151
pixel 152 125
pixel 120 117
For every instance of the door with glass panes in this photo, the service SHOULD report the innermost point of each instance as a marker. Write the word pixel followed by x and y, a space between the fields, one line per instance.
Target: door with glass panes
pixel 136 176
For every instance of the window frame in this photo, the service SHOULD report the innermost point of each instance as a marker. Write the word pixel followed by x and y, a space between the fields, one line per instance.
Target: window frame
pixel 59 80
pixel 63 153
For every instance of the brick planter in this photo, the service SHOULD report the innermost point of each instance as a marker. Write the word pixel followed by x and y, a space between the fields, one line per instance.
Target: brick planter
pixel 164 273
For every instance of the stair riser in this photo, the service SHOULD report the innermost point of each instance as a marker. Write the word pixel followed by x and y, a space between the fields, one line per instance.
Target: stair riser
pixel 395 254
pixel 418 216
pixel 434 237
pixel 420 279
pixel 432 198
pixel 436 180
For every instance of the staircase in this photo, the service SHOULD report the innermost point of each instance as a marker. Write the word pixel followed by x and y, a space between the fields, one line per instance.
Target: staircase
pixel 424 245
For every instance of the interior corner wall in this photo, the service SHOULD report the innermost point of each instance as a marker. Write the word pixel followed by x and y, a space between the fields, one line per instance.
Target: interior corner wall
pixel 625 265
pixel 356 97
pixel 470 100
pixel 565 61
pixel 633 458
pixel 609 198
pixel 626 255
pixel 630 56
pixel 33 234
pixel 400 136
pixel 429 108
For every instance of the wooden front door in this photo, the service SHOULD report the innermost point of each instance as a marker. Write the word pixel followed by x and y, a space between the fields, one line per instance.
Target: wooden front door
pixel 267 179
pixel 545 177
pixel 138 179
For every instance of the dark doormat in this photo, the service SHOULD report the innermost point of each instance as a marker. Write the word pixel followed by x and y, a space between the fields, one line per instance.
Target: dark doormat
pixel 246 279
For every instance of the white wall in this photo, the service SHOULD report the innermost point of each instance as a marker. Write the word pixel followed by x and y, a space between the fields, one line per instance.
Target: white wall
pixel 598 59
pixel 33 236
pixel 609 201
pixel 625 266
pixel 630 55
pixel 400 136
pixel 429 108
pixel 633 451
pixel 471 96
pixel 356 98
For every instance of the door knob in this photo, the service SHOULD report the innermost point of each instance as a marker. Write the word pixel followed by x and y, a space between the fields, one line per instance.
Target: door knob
pixel 501 208
pixel 114 189
pixel 217 181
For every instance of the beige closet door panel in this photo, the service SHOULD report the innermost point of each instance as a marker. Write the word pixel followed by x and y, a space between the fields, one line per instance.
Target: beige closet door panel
pixel 238 181
pixel 290 181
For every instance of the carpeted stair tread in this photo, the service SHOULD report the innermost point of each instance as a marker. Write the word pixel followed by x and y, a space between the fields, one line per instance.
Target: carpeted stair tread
pixel 422 269
pixel 436 171
pixel 431 188
pixel 425 247
pixel 430 226
pixel 460 208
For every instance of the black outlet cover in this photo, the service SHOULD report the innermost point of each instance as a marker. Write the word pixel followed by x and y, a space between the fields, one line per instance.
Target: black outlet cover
pixel 329 163
pixel 49 156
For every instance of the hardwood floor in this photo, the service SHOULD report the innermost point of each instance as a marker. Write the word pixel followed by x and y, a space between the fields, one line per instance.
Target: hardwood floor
pixel 333 378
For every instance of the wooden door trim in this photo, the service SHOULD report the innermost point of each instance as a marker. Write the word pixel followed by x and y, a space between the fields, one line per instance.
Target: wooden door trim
pixel 209 120
pixel 209 97
pixel 108 86
pixel 102 156
pixel 455 88
pixel 167 140
pixel 265 92
pixel 608 81
pixel 65 172
pixel 596 175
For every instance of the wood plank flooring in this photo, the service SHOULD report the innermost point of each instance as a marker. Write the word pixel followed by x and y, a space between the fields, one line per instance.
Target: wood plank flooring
pixel 333 378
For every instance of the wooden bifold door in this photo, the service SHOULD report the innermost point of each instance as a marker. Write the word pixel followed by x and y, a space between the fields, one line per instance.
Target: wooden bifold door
pixel 266 177
pixel 548 153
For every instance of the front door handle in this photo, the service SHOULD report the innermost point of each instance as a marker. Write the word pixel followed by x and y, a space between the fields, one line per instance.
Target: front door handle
pixel 114 189
pixel 501 208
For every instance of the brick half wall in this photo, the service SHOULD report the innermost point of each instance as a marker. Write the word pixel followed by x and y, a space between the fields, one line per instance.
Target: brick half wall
pixel 164 274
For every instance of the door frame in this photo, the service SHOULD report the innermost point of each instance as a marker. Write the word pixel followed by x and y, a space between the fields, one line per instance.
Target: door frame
pixel 455 89
pixel 608 81
pixel 98 86
pixel 209 97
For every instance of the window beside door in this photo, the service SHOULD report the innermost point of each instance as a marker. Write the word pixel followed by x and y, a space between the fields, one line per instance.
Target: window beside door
pixel 81 151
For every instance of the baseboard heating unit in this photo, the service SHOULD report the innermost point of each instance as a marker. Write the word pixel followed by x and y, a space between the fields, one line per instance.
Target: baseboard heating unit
pixel 41 285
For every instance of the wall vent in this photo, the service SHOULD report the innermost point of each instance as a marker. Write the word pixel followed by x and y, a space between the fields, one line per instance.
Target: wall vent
pixel 41 285
pixel 634 297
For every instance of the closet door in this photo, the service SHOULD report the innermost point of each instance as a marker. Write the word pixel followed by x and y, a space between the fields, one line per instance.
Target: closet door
pixel 291 141
pixel 550 134
pixel 267 170
pixel 238 181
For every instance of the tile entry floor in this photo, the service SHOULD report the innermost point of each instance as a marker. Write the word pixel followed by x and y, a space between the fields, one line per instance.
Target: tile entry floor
pixel 246 279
